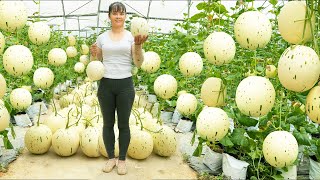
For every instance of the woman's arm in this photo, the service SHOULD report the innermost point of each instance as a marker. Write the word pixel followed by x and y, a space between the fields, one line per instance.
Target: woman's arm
pixel 137 53
pixel 96 52
pixel 99 54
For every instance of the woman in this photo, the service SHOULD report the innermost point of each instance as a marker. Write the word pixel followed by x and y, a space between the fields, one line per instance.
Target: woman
pixel 117 48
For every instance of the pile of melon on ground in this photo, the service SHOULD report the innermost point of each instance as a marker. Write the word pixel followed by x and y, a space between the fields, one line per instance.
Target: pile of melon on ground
pixel 78 124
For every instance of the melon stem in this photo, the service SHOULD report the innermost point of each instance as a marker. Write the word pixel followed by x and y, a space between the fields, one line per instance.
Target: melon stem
pixel 38 122
pixel 255 60
pixel 280 112
pixel 54 108
pixel 137 116
pixel 67 125
pixel 159 111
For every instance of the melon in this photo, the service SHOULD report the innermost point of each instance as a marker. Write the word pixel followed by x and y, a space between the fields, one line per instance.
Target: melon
pixel 190 64
pixel 13 15
pixel 39 33
pixel 151 62
pixel 313 104
pixel 20 98
pixel 2 43
pixel 43 78
pixel 17 60
pixel 38 139
pixel 164 142
pixel 71 40
pixel 252 30
pixel 187 104
pixel 71 51
pixel 79 67
pixel 255 96
pixel 141 145
pixel 280 149
pixel 84 49
pixel 57 57
pixel 95 70
pixel 4 117
pixel 165 86
pixel 213 92
pixel 219 48
pixel 293 25
pixel 139 26
pixel 299 68
pixel 3 86
pixel 212 124
pixel 65 142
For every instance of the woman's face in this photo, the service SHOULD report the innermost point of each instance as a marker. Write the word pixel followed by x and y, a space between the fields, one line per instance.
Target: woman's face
pixel 117 18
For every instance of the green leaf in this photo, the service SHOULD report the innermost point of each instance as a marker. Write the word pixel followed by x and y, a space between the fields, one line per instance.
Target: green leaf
pixel 260 68
pixel 13 133
pixel 193 137
pixel 301 98
pixel 202 5
pixel 238 138
pixel 231 77
pixel 171 103
pixel 226 141
pixel 277 177
pixel 255 154
pixel 273 2
pixel 198 151
pixel 219 8
pixel 219 22
pixel 264 120
pixel 302 137
pixel 285 126
pixel 198 16
pixel 297 120
pixel 318 150
pixel 247 121
pixel 4 132
pixel 253 178
pixel 244 120
pixel 311 128
pixel 256 134
pixel 8 106
pixel 7 143
pixel 260 8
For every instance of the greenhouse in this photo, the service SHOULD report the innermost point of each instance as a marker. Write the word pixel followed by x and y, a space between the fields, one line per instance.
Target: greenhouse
pixel 159 89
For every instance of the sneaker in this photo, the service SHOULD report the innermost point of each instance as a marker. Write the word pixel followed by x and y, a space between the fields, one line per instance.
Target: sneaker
pixel 109 165
pixel 122 168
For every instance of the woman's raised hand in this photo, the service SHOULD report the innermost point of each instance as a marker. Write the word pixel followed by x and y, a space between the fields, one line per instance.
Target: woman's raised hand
pixel 94 49
pixel 139 40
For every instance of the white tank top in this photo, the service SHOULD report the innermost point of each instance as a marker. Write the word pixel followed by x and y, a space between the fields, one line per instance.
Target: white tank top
pixel 117 57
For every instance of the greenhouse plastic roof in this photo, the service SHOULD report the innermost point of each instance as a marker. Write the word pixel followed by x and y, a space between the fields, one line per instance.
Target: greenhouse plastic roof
pixel 81 17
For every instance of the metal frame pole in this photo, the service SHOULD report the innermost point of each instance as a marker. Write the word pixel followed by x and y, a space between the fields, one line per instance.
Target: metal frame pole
pixel 149 9
pixel 98 15
pixel 64 15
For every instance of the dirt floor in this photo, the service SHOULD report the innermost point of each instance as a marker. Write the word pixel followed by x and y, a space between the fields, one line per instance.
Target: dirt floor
pixel 79 166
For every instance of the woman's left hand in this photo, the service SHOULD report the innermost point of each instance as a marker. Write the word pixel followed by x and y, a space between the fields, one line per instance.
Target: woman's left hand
pixel 139 40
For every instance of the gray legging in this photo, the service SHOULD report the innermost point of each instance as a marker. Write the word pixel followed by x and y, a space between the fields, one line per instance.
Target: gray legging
pixel 116 94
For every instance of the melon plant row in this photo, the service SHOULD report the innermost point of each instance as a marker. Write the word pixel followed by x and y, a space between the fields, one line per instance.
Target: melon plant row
pixel 35 59
pixel 264 81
